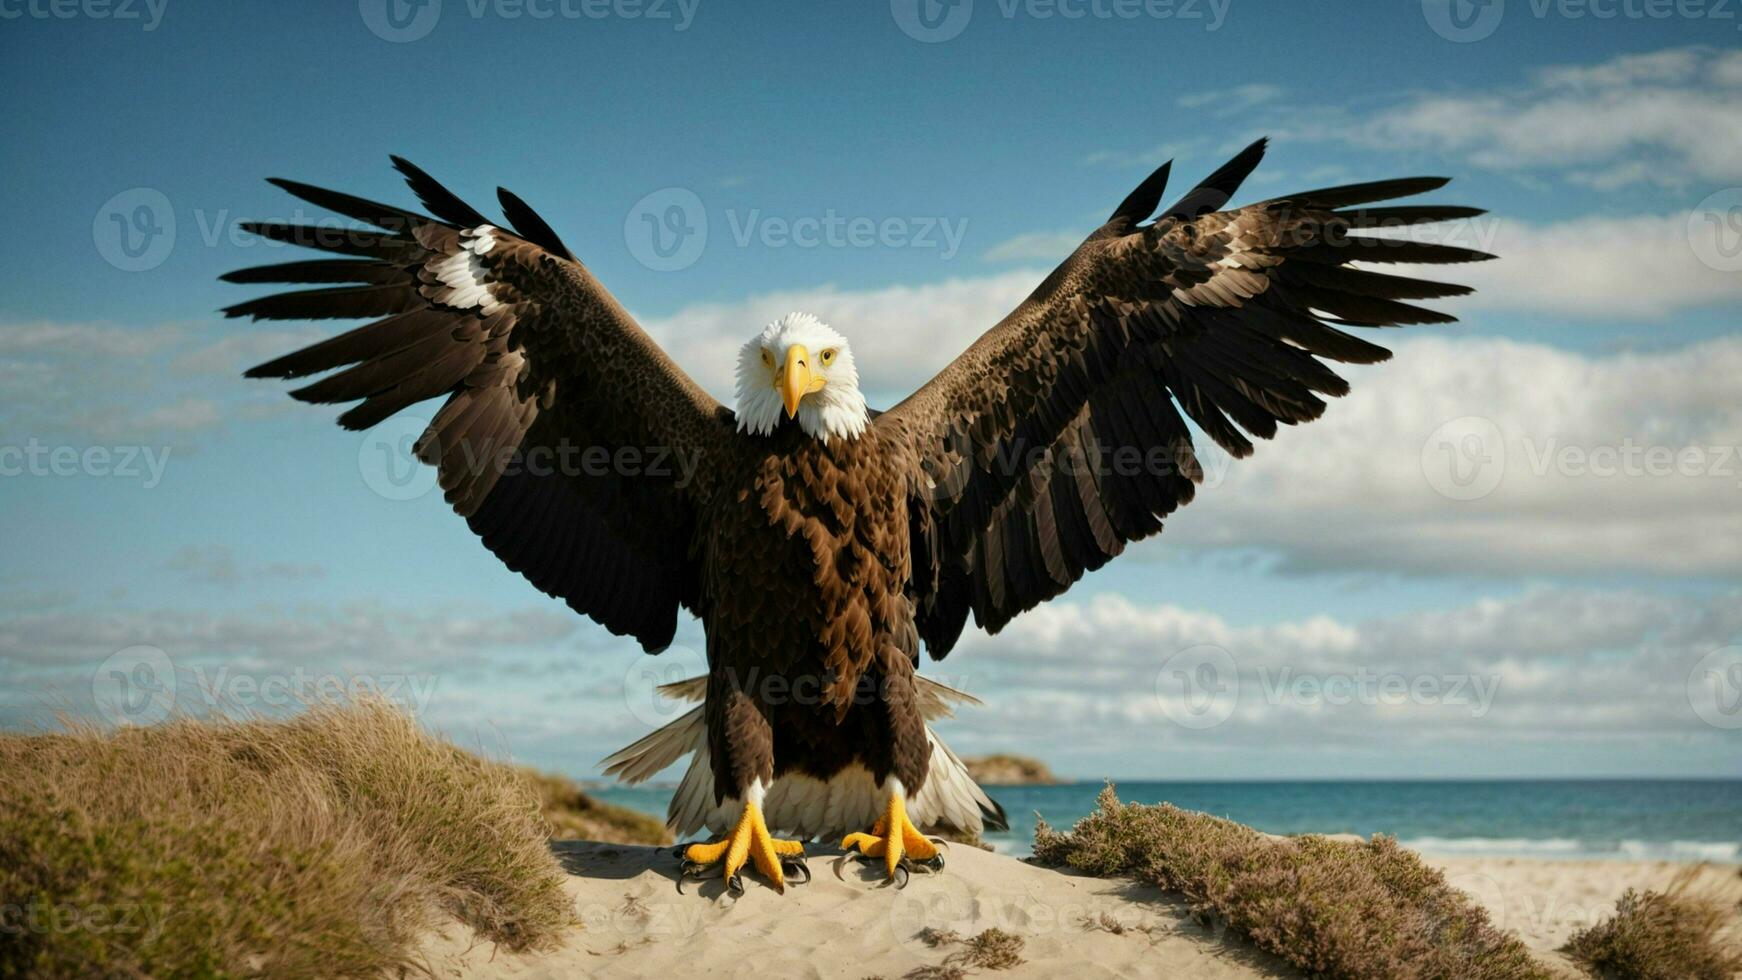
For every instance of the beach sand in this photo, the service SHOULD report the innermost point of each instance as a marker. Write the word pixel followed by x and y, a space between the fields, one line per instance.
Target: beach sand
pixel 635 924
pixel 1544 902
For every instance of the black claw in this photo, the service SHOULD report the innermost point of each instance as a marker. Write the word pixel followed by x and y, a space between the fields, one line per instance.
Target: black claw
pixel 692 871
pixel 902 875
pixel 797 870
pixel 735 885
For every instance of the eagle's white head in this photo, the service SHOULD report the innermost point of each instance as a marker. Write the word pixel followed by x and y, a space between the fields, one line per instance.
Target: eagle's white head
pixel 799 367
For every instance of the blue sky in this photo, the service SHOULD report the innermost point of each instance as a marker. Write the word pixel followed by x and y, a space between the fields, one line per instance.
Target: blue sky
pixel 1601 607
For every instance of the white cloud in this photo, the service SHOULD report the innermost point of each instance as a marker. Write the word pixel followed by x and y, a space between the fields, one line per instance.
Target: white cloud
pixel 1598 464
pixel 97 382
pixel 1231 99
pixel 1640 266
pixel 218 565
pixel 1668 118
pixel 347 635
pixel 1152 157
pixel 1049 247
pixel 1543 665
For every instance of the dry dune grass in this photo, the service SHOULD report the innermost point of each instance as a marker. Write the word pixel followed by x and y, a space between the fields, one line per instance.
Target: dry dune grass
pixel 1334 909
pixel 321 846
pixel 1681 933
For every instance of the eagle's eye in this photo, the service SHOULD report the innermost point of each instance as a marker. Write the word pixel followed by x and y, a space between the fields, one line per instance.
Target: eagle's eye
pixel 767 358
pixel 828 357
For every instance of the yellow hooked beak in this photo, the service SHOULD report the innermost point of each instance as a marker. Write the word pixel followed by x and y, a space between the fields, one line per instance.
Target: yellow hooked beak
pixel 796 379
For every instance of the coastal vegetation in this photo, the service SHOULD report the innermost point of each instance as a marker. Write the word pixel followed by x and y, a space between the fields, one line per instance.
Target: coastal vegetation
pixel 1336 909
pixel 321 846
pixel 1681 933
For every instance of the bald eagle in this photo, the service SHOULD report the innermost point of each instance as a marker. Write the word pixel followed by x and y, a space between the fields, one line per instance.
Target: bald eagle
pixel 822 543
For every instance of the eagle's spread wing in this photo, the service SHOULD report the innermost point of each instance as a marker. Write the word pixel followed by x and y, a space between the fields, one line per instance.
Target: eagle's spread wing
pixel 1060 435
pixel 568 440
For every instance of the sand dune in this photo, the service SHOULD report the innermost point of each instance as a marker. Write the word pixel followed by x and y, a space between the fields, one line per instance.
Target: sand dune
pixel 1545 902
pixel 635 924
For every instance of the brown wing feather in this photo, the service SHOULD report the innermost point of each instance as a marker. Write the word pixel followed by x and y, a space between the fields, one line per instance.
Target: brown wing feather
pixel 1060 436
pixel 568 440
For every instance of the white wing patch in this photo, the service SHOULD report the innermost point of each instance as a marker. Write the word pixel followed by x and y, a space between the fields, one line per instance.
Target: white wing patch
pixel 465 274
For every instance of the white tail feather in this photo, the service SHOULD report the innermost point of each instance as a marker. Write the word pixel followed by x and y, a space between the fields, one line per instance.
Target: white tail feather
pixel 802 805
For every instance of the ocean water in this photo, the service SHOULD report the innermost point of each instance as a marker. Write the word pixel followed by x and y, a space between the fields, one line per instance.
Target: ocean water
pixel 1681 820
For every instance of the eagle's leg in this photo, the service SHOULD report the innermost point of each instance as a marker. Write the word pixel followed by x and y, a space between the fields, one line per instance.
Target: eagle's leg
pixel 895 839
pixel 750 842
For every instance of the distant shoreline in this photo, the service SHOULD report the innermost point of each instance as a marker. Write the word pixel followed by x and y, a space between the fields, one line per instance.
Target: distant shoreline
pixel 1004 769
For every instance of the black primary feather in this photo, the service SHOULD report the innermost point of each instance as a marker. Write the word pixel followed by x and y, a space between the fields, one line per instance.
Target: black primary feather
pixel 528 225
pixel 1216 190
pixel 1143 200
pixel 442 203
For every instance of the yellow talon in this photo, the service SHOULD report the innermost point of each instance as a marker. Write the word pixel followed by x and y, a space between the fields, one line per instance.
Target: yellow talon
pixel 749 841
pixel 892 836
